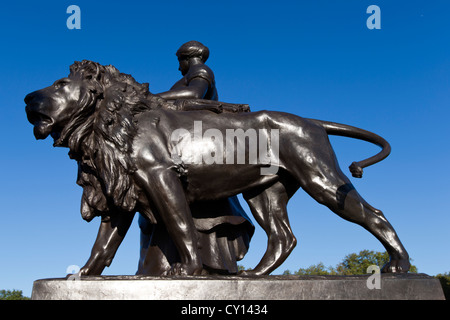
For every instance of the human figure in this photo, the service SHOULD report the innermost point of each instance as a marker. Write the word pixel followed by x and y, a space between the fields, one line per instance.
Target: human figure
pixel 196 90
pixel 198 79
pixel 223 227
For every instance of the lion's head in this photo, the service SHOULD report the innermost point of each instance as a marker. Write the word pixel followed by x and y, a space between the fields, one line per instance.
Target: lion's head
pixel 91 112
pixel 61 108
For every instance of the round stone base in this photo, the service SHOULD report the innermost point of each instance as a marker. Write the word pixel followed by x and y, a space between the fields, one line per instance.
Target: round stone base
pixel 363 287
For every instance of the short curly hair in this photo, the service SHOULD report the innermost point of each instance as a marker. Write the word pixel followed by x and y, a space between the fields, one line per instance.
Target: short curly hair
pixel 193 49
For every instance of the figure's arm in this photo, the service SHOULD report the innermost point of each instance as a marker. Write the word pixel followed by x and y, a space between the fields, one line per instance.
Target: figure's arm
pixel 211 105
pixel 196 89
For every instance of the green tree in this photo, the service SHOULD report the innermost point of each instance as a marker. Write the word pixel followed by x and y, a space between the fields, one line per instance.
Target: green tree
pixel 12 295
pixel 357 263
pixel 242 268
pixel 354 263
pixel 318 269
pixel 444 278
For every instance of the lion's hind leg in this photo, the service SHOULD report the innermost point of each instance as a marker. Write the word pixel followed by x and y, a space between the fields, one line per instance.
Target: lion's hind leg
pixel 323 180
pixel 346 202
pixel 269 209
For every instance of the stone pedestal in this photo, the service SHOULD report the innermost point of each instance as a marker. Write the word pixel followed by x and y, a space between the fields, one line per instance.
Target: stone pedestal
pixel 392 287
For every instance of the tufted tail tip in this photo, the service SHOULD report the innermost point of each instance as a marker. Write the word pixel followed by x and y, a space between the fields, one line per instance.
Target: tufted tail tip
pixel 356 170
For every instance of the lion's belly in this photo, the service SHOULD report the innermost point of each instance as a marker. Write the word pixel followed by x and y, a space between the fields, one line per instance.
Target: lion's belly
pixel 210 182
pixel 210 169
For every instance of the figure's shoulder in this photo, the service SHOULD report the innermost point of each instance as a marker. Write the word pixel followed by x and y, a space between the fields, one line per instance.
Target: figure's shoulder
pixel 200 70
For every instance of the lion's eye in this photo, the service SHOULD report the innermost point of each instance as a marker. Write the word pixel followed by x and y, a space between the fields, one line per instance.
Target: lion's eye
pixel 60 83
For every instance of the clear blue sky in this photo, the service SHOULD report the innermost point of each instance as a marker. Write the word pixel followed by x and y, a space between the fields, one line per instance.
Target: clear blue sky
pixel 316 59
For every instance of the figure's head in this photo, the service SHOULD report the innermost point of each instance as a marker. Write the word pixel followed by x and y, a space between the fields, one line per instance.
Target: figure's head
pixel 190 50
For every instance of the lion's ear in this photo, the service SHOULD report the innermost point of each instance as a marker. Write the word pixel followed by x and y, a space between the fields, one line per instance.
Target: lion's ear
pixel 89 69
pixel 93 71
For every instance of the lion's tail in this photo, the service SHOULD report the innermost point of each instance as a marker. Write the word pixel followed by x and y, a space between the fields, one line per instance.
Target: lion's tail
pixel 343 130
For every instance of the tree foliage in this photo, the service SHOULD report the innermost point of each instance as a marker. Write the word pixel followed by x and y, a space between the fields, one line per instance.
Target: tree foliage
pixel 12 295
pixel 444 278
pixel 318 269
pixel 352 264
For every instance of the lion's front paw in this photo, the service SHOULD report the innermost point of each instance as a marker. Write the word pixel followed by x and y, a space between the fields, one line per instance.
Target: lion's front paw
pixel 85 271
pixel 396 266
pixel 94 266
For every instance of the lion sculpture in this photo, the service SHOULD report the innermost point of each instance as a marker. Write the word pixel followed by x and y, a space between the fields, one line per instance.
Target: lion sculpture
pixel 121 136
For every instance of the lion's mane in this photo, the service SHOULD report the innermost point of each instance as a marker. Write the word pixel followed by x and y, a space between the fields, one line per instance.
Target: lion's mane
pixel 100 136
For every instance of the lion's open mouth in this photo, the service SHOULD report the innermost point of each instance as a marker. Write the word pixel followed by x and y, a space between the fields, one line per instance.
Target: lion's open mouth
pixel 42 123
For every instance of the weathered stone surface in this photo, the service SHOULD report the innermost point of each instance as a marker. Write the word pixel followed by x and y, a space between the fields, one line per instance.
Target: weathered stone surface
pixel 393 287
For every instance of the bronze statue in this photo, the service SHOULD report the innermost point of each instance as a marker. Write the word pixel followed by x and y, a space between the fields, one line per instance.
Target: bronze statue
pixel 196 90
pixel 198 80
pixel 130 161
pixel 226 239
